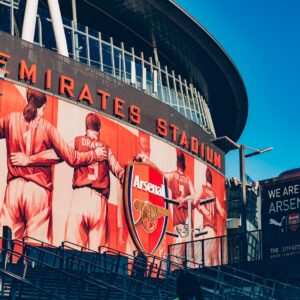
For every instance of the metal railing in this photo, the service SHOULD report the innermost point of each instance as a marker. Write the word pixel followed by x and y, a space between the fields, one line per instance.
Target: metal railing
pixel 99 51
pixel 12 286
pixel 68 281
pixel 216 283
pixel 220 250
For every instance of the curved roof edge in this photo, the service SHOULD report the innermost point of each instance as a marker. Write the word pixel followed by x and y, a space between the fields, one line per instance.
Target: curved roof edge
pixel 182 44
pixel 230 71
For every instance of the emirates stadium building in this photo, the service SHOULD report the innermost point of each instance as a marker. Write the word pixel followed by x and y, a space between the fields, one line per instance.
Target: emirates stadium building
pixel 109 113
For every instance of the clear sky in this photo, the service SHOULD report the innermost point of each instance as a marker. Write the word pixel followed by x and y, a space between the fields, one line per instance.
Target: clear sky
pixel 263 39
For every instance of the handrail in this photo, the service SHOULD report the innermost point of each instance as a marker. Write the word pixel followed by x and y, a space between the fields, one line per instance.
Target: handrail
pixel 271 289
pixel 164 260
pixel 129 255
pixel 116 273
pixel 92 281
pixel 28 283
pixel 241 279
pixel 260 277
pixel 210 278
pixel 222 272
pixel 32 260
pixel 40 241
pixel 89 263
pixel 116 251
pixel 279 286
pixel 285 285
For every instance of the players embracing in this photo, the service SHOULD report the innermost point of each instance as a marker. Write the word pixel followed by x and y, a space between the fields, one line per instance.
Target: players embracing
pixel 87 217
pixel 27 204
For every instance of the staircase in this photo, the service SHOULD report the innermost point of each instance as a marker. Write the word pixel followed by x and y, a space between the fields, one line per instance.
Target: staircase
pixel 32 269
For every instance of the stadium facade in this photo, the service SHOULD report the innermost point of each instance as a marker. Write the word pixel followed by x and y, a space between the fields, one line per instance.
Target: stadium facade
pixel 161 88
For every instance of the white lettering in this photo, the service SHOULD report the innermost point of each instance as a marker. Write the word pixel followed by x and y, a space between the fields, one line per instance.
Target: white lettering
pixel 274 193
pixel 284 205
pixel 149 187
pixel 272 208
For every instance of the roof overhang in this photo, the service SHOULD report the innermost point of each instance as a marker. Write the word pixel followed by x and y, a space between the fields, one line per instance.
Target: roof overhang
pixel 182 44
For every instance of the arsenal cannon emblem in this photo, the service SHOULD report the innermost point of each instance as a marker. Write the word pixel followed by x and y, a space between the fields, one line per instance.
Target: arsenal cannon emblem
pixel 145 206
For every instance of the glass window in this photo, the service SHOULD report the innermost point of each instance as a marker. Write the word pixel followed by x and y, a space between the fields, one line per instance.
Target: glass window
pixel 138 71
pixel 82 51
pixel 194 118
pixel 179 95
pixel 107 63
pixel 48 34
pixel 160 91
pixel 173 97
pixel 4 18
pixel 166 95
pixel 148 79
pixel 128 59
pixel 68 33
pixel 181 110
pixel 94 52
pixel 118 63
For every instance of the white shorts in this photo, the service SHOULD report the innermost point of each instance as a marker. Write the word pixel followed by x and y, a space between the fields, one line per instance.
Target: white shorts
pixel 87 219
pixel 26 209
pixel 211 253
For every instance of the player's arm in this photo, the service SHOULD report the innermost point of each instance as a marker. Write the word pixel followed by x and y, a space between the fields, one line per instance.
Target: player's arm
pixel 146 159
pixel 190 197
pixel 220 210
pixel 67 153
pixel 114 165
pixel 192 192
pixel 44 158
pixel 198 198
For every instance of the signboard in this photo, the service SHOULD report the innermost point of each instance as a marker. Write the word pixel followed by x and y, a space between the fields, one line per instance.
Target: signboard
pixel 280 218
pixel 146 209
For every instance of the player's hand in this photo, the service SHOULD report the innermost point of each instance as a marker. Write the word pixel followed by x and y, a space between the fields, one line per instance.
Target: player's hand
pixel 122 176
pixel 19 159
pixel 101 153
pixel 143 158
pixel 182 202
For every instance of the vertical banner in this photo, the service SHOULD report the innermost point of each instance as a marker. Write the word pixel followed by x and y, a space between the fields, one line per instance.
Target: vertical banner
pixel 280 219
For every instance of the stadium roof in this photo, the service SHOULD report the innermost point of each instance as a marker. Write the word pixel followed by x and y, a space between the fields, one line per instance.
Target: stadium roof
pixel 182 44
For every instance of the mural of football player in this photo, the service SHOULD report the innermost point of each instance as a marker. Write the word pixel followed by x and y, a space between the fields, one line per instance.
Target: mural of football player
pixel 26 208
pixel 209 212
pixel 182 190
pixel 88 216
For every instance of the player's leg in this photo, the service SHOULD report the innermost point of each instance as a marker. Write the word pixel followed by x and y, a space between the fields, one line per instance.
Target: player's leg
pixel 98 220
pixel 37 210
pixel 12 213
pixel 209 246
pixel 216 251
pixel 76 226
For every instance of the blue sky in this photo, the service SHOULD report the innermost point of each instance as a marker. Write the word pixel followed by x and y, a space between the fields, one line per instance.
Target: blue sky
pixel 263 39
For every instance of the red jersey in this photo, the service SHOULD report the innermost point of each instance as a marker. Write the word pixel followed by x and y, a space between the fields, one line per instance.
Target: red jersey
pixel 34 137
pixel 210 219
pixel 96 175
pixel 181 187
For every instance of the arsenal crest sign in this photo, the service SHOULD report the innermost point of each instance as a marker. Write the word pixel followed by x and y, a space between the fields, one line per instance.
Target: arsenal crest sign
pixel 146 209
pixel 293 221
